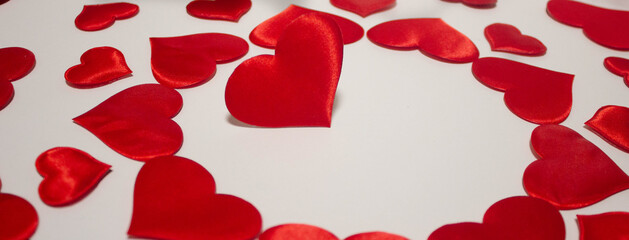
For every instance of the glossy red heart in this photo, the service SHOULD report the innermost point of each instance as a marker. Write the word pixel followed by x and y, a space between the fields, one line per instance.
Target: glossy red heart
pixel 18 218
pixel 610 226
pixel 309 232
pixel 507 38
pixel 175 198
pixel 188 61
pixel 364 8
pixel 618 66
pixel 476 3
pixel 375 236
pixel 431 36
pixel 512 218
pixel 230 10
pixel 267 34
pixel 99 66
pixel 571 172
pixel 101 16
pixel 16 63
pixel 612 123
pixel 136 122
pixel 534 94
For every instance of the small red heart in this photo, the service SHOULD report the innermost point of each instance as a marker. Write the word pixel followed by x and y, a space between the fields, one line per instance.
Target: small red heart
pixel 99 66
pixel 618 66
pixel 610 226
pixel 101 16
pixel 296 87
pixel 534 94
pixel 309 232
pixel 476 3
pixel 268 32
pixel 507 38
pixel 430 35
pixel 571 172
pixel 175 198
pixel 230 10
pixel 136 122
pixel 16 63
pixel 188 61
pixel 512 218
pixel 18 218
pixel 375 236
pixel 612 123
pixel 364 8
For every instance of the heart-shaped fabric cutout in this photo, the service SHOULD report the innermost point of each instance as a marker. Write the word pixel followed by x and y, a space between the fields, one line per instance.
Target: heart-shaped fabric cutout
pixel 612 123
pixel 69 175
pixel 16 63
pixel 618 66
pixel 364 8
pixel 609 226
pixel 101 16
pixel 188 61
pixel 431 36
pixel 507 38
pixel 512 218
pixel 571 172
pixel 534 94
pixel 267 34
pixel 175 198
pixel 18 218
pixel 230 10
pixel 309 232
pixel 476 3
pixel 136 122
pixel 99 66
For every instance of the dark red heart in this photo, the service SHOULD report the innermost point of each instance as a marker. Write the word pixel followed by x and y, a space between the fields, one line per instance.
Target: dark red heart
pixel 175 198
pixel 188 61
pixel 18 218
pixel 16 63
pixel 99 66
pixel 364 8
pixel 430 35
pixel 507 38
pixel 610 226
pixel 534 94
pixel 101 16
pixel 618 66
pixel 136 122
pixel 612 123
pixel 571 172
pixel 230 10
pixel 309 232
pixel 3 1
pixel 476 3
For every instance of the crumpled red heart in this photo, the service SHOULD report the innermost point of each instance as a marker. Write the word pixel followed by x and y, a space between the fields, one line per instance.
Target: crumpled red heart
pixel 571 172
pixel 612 123
pixel 18 218
pixel 99 66
pixel 507 38
pixel 230 10
pixel 175 198
pixel 476 3
pixel 609 226
pixel 136 122
pixel 187 61
pixel 364 8
pixel 309 232
pixel 101 16
pixel 431 36
pixel 16 63
pixel 534 94
pixel 618 66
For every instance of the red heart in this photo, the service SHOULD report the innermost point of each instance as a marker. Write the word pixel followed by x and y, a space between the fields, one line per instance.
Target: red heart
pixel 618 66
pixel 375 236
pixel 507 38
pixel 476 3
pixel 18 218
pixel 534 94
pixel 613 225
pixel 364 8
pixel 611 122
pixel 99 66
pixel 511 218
pixel 230 10
pixel 136 122
pixel 571 172
pixel 296 87
pixel 430 35
pixel 16 63
pixel 101 16
pixel 309 232
pixel 175 198
pixel 188 61
pixel 267 34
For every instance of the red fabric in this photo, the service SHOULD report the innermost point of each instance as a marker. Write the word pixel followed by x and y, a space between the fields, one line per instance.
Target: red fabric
pixel 618 66
pixel 608 226
pixel 174 198
pixel 364 8
pixel 432 36
pixel 507 38
pixel 477 3
pixel 101 16
pixel 230 10
pixel 136 122
pixel 16 63
pixel 99 66
pixel 612 123
pixel 375 236
pixel 512 218
pixel 296 231
pixel 18 218
pixel 267 34
pixel 534 94
pixel 571 171
pixel 188 61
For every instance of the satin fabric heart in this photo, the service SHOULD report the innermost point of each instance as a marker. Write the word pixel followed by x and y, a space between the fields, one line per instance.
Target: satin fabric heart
pixel 618 66
pixel 612 123
pixel 476 3
pixel 606 27
pixel 507 38
pixel 101 16
pixel 512 218
pixel 609 226
pixel 534 94
pixel 570 172
pixel 18 218
pixel 175 198
pixel 230 10
pixel 16 63
pixel 99 66
pixel 267 34
pixel 431 36
pixel 136 122
pixel 309 232
pixel 364 8
pixel 188 61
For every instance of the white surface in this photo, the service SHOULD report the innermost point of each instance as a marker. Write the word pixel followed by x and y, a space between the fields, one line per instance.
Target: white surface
pixel 415 143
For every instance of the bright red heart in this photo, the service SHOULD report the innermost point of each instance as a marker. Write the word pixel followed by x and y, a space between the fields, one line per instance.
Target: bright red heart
pixel 612 123
pixel 618 66
pixel 476 3
pixel 364 8
pixel 512 218
pixel 230 10
pixel 507 38
pixel 571 172
pixel 16 63
pixel 297 231
pixel 99 66
pixel 534 94
pixel 375 236
pixel 136 122
pixel 18 218
pixel 267 34
pixel 188 61
pixel 175 198
pixel 430 35
pixel 609 226
pixel 101 16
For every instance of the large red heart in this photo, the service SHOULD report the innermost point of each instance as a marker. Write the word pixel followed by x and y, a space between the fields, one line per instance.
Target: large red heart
pixel 309 232
pixel 512 218
pixel 99 66
pixel 69 175
pixel 608 226
pixel 476 3
pixel 136 122
pixel 363 8
pixel 16 63
pixel 175 198
pixel 430 35
pixel 534 94
pixel 188 61
pixel 612 123
pixel 18 218
pixel 101 16
pixel 571 172
pixel 230 10
pixel 507 38
pixel 618 66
